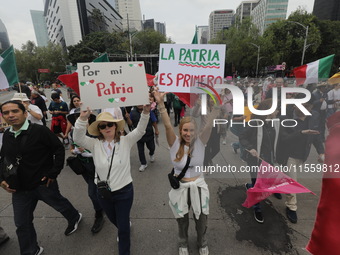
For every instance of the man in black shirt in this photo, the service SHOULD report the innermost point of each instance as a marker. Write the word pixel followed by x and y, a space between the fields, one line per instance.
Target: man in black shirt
pixel 38 156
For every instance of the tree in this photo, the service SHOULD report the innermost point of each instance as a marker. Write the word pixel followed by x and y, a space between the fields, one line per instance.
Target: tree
pixel 330 41
pixel 95 43
pixel 241 54
pixel 31 58
pixel 285 39
pixel 148 41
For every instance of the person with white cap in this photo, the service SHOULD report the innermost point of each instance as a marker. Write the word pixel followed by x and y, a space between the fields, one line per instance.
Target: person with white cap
pixel 34 113
pixel 111 157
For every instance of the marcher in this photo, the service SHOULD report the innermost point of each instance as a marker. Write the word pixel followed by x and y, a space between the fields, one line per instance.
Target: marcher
pixel 298 145
pixel 39 164
pixel 36 99
pixel 148 138
pixel 325 235
pixel 86 159
pixel 58 109
pixel 193 190
pixel 111 156
pixel 34 113
pixel 262 142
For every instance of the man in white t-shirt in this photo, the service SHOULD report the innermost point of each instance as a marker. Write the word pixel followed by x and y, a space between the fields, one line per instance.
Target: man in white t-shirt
pixel 34 113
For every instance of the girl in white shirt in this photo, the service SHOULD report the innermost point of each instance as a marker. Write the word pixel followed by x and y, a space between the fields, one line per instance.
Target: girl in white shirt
pixel 193 191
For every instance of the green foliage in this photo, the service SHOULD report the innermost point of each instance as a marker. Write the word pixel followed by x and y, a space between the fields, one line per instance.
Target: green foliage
pixel 98 42
pixel 31 58
pixel 147 41
pixel 282 41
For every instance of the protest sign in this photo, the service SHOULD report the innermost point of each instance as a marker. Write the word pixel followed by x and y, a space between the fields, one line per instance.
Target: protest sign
pixel 114 84
pixel 183 66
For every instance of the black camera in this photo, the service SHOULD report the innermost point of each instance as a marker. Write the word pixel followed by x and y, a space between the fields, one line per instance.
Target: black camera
pixel 104 189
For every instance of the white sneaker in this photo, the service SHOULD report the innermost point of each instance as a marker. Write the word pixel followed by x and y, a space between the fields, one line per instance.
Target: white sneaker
pixel 183 251
pixel 40 251
pixel 152 158
pixel 224 142
pixel 204 251
pixel 142 168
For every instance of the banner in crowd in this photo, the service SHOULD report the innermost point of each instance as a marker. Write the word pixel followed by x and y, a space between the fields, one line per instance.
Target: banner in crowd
pixel 183 66
pixel 271 180
pixel 115 84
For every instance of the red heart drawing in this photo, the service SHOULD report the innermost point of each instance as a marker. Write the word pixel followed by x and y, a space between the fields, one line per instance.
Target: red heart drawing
pixel 92 81
pixel 123 99
pixel 140 65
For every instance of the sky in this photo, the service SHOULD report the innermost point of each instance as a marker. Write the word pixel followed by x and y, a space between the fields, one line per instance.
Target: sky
pixel 180 16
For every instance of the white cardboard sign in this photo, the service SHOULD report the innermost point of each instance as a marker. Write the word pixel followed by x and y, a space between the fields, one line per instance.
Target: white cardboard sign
pixel 183 66
pixel 114 84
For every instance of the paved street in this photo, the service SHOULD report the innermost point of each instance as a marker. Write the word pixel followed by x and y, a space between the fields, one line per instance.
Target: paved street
pixel 232 228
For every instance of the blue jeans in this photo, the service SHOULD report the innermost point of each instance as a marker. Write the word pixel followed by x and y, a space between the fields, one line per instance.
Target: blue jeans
pixel 118 210
pixel 237 130
pixel 24 204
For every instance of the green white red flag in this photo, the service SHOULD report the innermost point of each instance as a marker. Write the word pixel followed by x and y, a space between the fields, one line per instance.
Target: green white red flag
pixel 314 71
pixel 8 69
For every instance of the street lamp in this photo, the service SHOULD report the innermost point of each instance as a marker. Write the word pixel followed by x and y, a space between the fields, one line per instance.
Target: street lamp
pixel 258 56
pixel 306 36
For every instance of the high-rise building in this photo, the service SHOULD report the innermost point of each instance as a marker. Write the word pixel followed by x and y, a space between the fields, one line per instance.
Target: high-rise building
pixel 157 26
pixel 69 20
pixel 4 41
pixel 160 27
pixel 267 12
pixel 40 28
pixel 131 13
pixel 244 10
pixel 203 34
pixel 219 20
pixel 327 10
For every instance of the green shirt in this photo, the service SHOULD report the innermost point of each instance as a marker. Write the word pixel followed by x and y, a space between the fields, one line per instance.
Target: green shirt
pixel 23 127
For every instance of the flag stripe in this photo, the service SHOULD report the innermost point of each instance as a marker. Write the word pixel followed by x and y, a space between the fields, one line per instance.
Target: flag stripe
pixel 325 66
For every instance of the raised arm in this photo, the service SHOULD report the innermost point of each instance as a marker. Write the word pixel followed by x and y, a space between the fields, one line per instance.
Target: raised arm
pixel 206 131
pixel 79 135
pixel 169 130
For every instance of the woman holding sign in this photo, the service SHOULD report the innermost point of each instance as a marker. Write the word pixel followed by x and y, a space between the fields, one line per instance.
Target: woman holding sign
pixel 187 154
pixel 111 156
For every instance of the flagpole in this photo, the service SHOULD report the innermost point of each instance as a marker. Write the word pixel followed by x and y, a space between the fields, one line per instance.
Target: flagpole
pixel 256 156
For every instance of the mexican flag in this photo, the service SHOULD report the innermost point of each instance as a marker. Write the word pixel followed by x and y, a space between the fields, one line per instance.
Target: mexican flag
pixel 312 72
pixel 8 69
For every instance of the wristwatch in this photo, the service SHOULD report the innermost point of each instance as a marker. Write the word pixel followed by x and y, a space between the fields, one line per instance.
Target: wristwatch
pixel 29 110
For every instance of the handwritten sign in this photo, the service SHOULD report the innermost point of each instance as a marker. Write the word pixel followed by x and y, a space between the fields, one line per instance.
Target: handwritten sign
pixel 117 84
pixel 183 66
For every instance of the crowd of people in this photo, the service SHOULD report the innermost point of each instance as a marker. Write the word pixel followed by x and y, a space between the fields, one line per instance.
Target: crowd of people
pixel 102 140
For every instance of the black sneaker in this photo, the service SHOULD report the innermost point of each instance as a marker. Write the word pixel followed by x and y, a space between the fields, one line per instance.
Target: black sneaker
pixel 278 195
pixel 258 216
pixel 72 227
pixel 291 215
pixel 97 225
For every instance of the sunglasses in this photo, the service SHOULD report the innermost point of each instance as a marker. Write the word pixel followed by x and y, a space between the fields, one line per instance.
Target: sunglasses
pixel 103 126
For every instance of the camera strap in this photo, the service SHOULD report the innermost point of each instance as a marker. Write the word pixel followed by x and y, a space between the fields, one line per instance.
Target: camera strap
pixel 181 175
pixel 108 174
